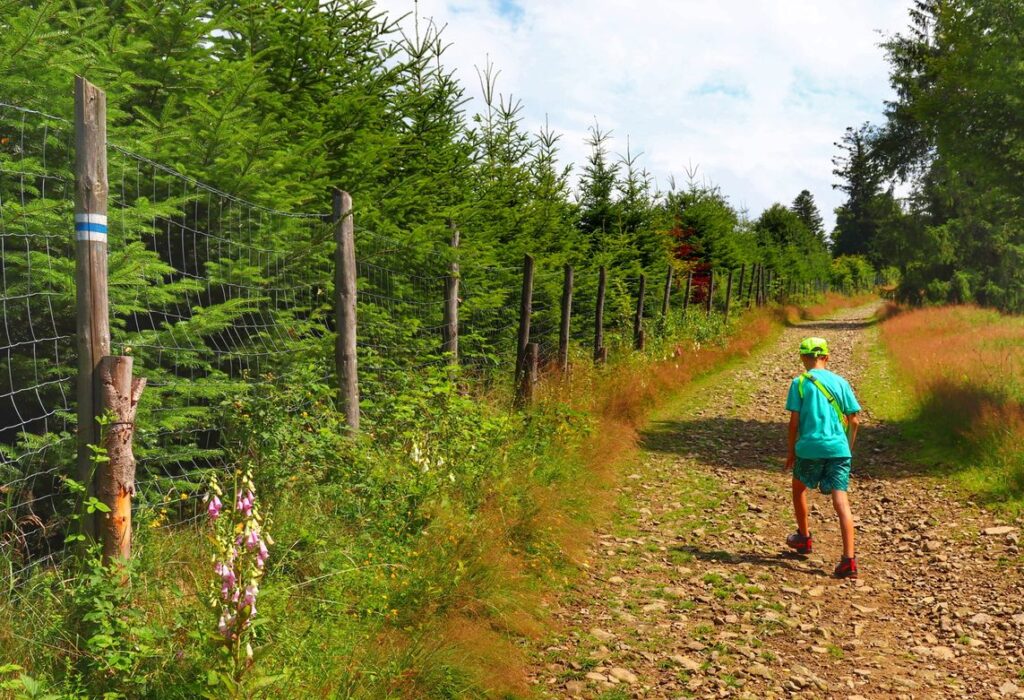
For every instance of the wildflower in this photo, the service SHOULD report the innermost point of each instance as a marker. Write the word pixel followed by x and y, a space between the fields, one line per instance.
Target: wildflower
pixel 213 510
pixel 250 594
pixel 261 558
pixel 253 540
pixel 245 503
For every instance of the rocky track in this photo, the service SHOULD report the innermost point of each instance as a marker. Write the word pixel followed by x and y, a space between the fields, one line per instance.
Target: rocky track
pixel 690 592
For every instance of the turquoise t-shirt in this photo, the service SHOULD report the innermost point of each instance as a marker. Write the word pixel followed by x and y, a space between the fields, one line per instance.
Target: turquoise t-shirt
pixel 821 433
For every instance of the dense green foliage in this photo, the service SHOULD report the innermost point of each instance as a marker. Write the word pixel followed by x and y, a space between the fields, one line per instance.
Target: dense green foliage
pixel 952 136
pixel 225 302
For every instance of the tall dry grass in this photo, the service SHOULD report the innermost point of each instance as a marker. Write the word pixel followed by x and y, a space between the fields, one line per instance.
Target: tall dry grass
pixel 966 367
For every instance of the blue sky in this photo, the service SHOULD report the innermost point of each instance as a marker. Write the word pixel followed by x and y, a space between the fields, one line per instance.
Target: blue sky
pixel 753 93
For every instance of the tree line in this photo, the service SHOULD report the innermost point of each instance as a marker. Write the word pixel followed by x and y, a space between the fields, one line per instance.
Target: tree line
pixel 279 102
pixel 935 191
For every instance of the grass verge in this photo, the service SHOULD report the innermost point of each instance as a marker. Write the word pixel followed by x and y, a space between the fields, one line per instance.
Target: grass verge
pixel 414 562
pixel 952 379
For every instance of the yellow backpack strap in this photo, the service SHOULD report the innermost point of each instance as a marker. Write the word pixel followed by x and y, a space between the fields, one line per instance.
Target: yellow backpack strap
pixel 843 421
pixel 800 386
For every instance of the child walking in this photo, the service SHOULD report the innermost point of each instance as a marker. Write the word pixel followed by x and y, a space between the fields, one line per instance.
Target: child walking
pixel 822 430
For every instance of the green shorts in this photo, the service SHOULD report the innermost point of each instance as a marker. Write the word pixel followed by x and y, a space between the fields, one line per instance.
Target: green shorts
pixel 827 474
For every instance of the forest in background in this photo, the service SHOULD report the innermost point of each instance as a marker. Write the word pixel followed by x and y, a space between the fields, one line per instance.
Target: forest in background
pixel 935 191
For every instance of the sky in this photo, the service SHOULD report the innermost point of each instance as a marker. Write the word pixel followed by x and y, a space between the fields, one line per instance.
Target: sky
pixel 752 94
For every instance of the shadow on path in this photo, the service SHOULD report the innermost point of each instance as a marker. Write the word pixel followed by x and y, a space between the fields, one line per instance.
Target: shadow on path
pixel 843 325
pixel 780 561
pixel 737 443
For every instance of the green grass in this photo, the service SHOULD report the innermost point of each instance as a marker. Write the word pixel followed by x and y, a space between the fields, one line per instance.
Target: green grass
pixel 982 470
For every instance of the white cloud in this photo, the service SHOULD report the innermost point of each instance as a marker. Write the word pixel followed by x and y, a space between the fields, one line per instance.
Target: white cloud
pixel 755 92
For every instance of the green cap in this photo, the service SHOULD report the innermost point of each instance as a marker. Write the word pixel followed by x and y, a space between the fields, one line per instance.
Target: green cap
pixel 814 346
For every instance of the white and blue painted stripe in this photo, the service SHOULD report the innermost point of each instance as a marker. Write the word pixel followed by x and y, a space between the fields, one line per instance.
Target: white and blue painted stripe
pixel 91 227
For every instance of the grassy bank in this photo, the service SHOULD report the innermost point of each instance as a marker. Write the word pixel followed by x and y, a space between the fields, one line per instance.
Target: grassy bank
pixel 412 563
pixel 957 390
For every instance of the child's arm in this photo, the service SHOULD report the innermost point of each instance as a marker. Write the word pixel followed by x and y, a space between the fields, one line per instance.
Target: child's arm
pixel 854 419
pixel 794 433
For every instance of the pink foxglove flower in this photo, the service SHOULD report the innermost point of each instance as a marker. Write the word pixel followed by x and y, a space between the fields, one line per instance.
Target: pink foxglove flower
pixel 242 553
pixel 213 510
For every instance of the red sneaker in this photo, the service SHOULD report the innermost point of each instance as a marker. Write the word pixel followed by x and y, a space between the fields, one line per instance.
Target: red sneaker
pixel 847 568
pixel 800 543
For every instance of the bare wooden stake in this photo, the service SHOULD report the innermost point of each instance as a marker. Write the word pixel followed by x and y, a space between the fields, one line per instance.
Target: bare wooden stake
pixel 451 302
pixel 525 312
pixel 92 305
pixel 115 483
pixel 566 324
pixel 666 295
pixel 689 288
pixel 345 359
pixel 638 318
pixel 600 354
pixel 743 275
pixel 728 295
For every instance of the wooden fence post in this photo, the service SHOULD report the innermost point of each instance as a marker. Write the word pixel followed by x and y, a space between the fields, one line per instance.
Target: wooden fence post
pixel 709 302
pixel 115 483
pixel 666 296
pixel 759 292
pixel 689 287
pixel 743 275
pixel 600 354
pixel 451 302
pixel 750 287
pixel 345 360
pixel 529 379
pixel 522 347
pixel 564 328
pixel 638 319
pixel 728 295
pixel 92 304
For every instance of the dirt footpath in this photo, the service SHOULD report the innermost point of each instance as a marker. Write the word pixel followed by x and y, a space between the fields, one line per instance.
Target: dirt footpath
pixel 691 592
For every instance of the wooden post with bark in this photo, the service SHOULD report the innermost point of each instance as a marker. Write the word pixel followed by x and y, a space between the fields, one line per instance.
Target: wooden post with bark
pixel 92 306
pixel 638 319
pixel 345 360
pixel 451 302
pixel 115 483
pixel 566 320
pixel 689 288
pixel 728 294
pixel 522 347
pixel 600 353
pixel 666 296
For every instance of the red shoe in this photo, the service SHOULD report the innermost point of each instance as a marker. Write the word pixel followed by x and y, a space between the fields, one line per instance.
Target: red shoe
pixel 800 543
pixel 847 568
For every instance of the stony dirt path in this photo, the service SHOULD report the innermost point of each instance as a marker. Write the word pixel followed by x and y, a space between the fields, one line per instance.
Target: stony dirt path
pixel 690 592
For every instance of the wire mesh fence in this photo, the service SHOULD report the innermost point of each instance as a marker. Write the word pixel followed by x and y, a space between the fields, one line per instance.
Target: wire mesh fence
pixel 37 362
pixel 215 296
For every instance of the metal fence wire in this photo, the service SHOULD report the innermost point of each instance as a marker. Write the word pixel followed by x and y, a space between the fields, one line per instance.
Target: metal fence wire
pixel 214 296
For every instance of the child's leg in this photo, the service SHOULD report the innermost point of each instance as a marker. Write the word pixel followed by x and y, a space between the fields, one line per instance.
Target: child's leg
pixel 841 503
pixel 800 506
